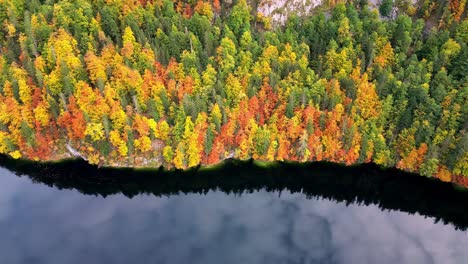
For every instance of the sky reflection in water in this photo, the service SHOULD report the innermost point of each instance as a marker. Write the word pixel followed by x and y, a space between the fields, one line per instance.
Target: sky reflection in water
pixel 39 224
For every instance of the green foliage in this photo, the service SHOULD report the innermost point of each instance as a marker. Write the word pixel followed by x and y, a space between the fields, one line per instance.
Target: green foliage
pixel 386 7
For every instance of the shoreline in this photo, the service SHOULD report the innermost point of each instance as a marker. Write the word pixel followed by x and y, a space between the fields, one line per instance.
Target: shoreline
pixel 262 164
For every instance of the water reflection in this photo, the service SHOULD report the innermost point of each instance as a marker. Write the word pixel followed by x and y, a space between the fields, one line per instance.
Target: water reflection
pixel 46 225
pixel 364 185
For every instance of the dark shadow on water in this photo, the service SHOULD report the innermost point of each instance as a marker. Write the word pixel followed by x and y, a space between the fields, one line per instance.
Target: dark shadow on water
pixel 366 184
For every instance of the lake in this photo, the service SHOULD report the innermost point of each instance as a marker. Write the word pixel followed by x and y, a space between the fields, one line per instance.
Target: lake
pixel 51 215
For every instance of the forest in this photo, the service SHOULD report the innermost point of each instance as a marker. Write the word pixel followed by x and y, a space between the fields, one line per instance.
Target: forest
pixel 179 84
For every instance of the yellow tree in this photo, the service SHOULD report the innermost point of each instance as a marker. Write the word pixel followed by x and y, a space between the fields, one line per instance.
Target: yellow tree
pixel 143 144
pixel 61 54
pixel 96 69
pixel 130 45
pixel 367 103
pixel 117 141
pixel 95 131
pixel 234 91
pixel 204 9
pixel 385 55
pixel 225 55
pixel 179 158
pixel 193 147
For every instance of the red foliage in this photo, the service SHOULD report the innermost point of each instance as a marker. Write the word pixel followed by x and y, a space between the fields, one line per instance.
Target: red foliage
pixel 188 11
pixel 216 152
pixel 457 8
pixel 226 134
pixel 267 101
pixel 73 121
pixel 315 145
pixel 145 2
pixel 217 6
pixel 36 97
pixel 43 145
pixel 461 180
pixel 185 88
pixel 243 119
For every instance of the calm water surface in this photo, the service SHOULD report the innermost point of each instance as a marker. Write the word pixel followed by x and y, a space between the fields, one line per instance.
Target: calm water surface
pixel 41 224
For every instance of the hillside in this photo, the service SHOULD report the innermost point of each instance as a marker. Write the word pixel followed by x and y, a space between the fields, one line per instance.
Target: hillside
pixel 187 83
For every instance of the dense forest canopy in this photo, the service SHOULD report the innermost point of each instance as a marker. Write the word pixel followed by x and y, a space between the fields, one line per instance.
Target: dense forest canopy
pixel 184 83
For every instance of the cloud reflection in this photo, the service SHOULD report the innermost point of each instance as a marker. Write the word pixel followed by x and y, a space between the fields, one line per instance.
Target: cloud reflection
pixel 45 225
